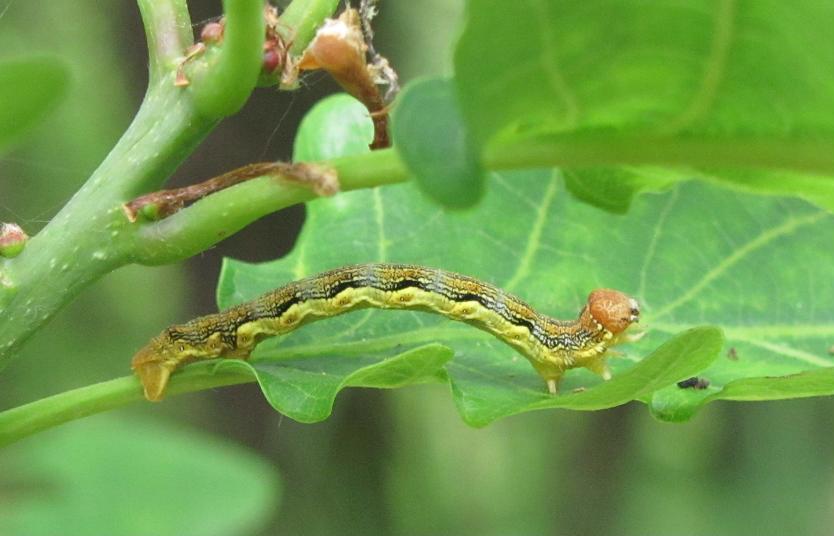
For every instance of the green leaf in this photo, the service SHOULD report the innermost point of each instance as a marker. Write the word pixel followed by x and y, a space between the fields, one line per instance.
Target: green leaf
pixel 304 389
pixel 683 355
pixel 29 89
pixel 695 84
pixel 432 141
pixel 133 477
pixel 757 267
pixel 676 405
pixel 336 126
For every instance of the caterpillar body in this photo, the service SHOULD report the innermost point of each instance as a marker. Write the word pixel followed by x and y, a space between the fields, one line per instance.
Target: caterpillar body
pixel 552 346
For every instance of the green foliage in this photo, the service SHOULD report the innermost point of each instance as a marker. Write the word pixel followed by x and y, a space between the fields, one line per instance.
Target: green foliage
pixel 133 485
pixel 630 101
pixel 335 126
pixel 528 237
pixel 304 388
pixel 29 88
pixel 562 88
pixel 432 141
pixel 700 84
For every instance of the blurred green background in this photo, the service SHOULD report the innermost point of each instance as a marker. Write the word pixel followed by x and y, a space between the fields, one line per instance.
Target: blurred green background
pixel 394 462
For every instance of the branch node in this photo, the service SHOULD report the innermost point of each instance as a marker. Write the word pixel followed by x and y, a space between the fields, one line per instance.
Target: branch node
pixel 322 180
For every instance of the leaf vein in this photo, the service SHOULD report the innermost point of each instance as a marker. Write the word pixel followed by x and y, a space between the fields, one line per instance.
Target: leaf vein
pixel 535 236
pixel 714 69
pixel 787 227
pixel 650 251
pixel 549 63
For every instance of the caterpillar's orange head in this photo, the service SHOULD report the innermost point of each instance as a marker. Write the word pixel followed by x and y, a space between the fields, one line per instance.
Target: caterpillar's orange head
pixel 613 309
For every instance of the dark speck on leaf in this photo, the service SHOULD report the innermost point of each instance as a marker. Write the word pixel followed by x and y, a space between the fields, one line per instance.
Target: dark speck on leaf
pixel 694 383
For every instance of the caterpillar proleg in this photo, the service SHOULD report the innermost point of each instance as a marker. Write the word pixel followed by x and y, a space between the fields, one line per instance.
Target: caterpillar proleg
pixel 552 346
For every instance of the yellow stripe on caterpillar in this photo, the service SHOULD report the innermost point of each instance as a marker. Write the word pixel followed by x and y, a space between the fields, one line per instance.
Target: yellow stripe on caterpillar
pixel 552 346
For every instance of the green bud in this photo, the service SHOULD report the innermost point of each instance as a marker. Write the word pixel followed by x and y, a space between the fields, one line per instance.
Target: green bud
pixel 150 212
pixel 12 239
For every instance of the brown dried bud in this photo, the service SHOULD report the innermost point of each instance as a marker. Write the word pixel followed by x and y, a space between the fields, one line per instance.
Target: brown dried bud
pixel 273 58
pixel 212 32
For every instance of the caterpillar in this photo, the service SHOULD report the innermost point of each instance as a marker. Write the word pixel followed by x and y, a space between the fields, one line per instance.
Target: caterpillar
pixel 552 346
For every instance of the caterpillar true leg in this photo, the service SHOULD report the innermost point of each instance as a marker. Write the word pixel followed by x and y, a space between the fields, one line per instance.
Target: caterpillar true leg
pixel 552 346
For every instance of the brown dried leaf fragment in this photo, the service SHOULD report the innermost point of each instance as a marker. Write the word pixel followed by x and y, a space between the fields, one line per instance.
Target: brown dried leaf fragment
pixel 340 48
pixel 379 66
pixel 193 51
pixel 322 180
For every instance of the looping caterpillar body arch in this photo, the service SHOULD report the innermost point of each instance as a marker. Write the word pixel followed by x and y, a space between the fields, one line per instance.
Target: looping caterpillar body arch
pixel 552 346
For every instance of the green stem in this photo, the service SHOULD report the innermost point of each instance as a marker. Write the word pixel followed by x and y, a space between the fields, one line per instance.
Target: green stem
pixel 22 421
pixel 224 78
pixel 223 213
pixel 301 19
pixel 85 240
pixel 168 32
pixel 90 236
pixel 220 215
